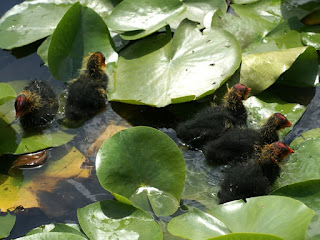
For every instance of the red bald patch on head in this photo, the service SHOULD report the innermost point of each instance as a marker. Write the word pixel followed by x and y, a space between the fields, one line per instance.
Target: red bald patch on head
pixel 100 57
pixel 282 150
pixel 283 120
pixel 242 90
pixel 20 105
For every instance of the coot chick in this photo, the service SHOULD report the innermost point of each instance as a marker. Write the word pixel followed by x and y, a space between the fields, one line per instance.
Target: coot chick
pixel 36 106
pixel 87 94
pixel 238 144
pixel 211 122
pixel 254 177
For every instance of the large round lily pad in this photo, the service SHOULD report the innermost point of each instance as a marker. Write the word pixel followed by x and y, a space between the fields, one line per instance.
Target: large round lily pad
pixel 281 216
pixel 145 166
pixel 159 70
pixel 115 220
pixel 197 225
pixel 81 31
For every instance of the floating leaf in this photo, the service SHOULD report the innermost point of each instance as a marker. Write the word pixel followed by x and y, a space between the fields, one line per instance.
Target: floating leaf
pixel 281 216
pixel 15 192
pixel 58 227
pixel 197 225
pixel 17 28
pixel 31 159
pixel 43 50
pixel 115 220
pixel 311 38
pixel 304 164
pixel 252 21
pixel 80 32
pixel 158 71
pixel 264 105
pixel 6 224
pixel 247 236
pixel 6 93
pixel 139 18
pixel 145 166
pixel 298 8
pixel 243 1
pixel 259 71
pixel 52 236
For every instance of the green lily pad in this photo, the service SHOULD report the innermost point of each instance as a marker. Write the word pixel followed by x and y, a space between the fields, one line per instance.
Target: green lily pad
pixel 311 38
pixel 6 93
pixel 197 10
pixel 52 236
pixel 6 224
pixel 81 31
pixel 252 21
pixel 304 164
pixel 115 220
pixel 58 227
pixel 139 18
pixel 276 215
pixel 43 49
pixel 259 71
pixel 247 236
pixel 144 166
pixel 298 8
pixel 158 71
pixel 197 225
pixel 264 105
pixel 243 1
pixel 17 28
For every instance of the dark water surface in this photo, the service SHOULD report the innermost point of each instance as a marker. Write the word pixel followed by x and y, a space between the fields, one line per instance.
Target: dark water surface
pixel 70 194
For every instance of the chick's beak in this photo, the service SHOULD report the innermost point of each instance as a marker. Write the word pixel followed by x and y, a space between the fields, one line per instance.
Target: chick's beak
pixel 288 124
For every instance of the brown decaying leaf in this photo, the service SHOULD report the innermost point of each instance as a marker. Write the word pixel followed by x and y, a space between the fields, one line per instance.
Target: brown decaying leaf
pixel 31 160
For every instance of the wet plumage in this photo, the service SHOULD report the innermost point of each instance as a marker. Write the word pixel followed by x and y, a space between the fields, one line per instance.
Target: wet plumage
pixel 36 106
pixel 238 144
pixel 211 122
pixel 255 176
pixel 87 94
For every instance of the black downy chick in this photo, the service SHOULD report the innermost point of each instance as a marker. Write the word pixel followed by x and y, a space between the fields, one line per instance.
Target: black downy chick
pixel 211 122
pixel 238 144
pixel 36 106
pixel 255 176
pixel 87 94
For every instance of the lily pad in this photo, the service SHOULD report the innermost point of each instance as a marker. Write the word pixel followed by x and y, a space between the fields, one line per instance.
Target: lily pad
pixel 43 49
pixel 158 71
pixel 144 166
pixel 6 224
pixel 276 215
pixel 17 28
pixel 311 38
pixel 52 236
pixel 197 225
pixel 264 105
pixel 58 227
pixel 115 220
pixel 6 93
pixel 298 8
pixel 247 236
pixel 80 32
pixel 259 71
pixel 139 18
pixel 304 164
pixel 251 23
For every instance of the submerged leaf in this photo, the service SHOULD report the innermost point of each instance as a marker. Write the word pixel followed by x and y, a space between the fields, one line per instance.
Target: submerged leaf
pixel 281 216
pixel 31 160
pixel 144 166
pixel 81 31
pixel 158 71
pixel 197 225
pixel 115 220
pixel 6 224
pixel 17 28
pixel 15 192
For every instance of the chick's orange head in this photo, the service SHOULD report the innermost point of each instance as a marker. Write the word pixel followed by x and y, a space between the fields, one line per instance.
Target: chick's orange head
pixel 280 151
pixel 242 90
pixel 96 60
pixel 283 121
pixel 21 105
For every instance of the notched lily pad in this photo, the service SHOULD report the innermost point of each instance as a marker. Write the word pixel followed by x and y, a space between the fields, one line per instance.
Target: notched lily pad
pixel 158 71
pixel 276 215
pixel 115 220
pixel 144 166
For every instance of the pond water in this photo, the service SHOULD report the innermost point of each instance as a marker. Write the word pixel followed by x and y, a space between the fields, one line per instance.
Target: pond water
pixel 61 204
